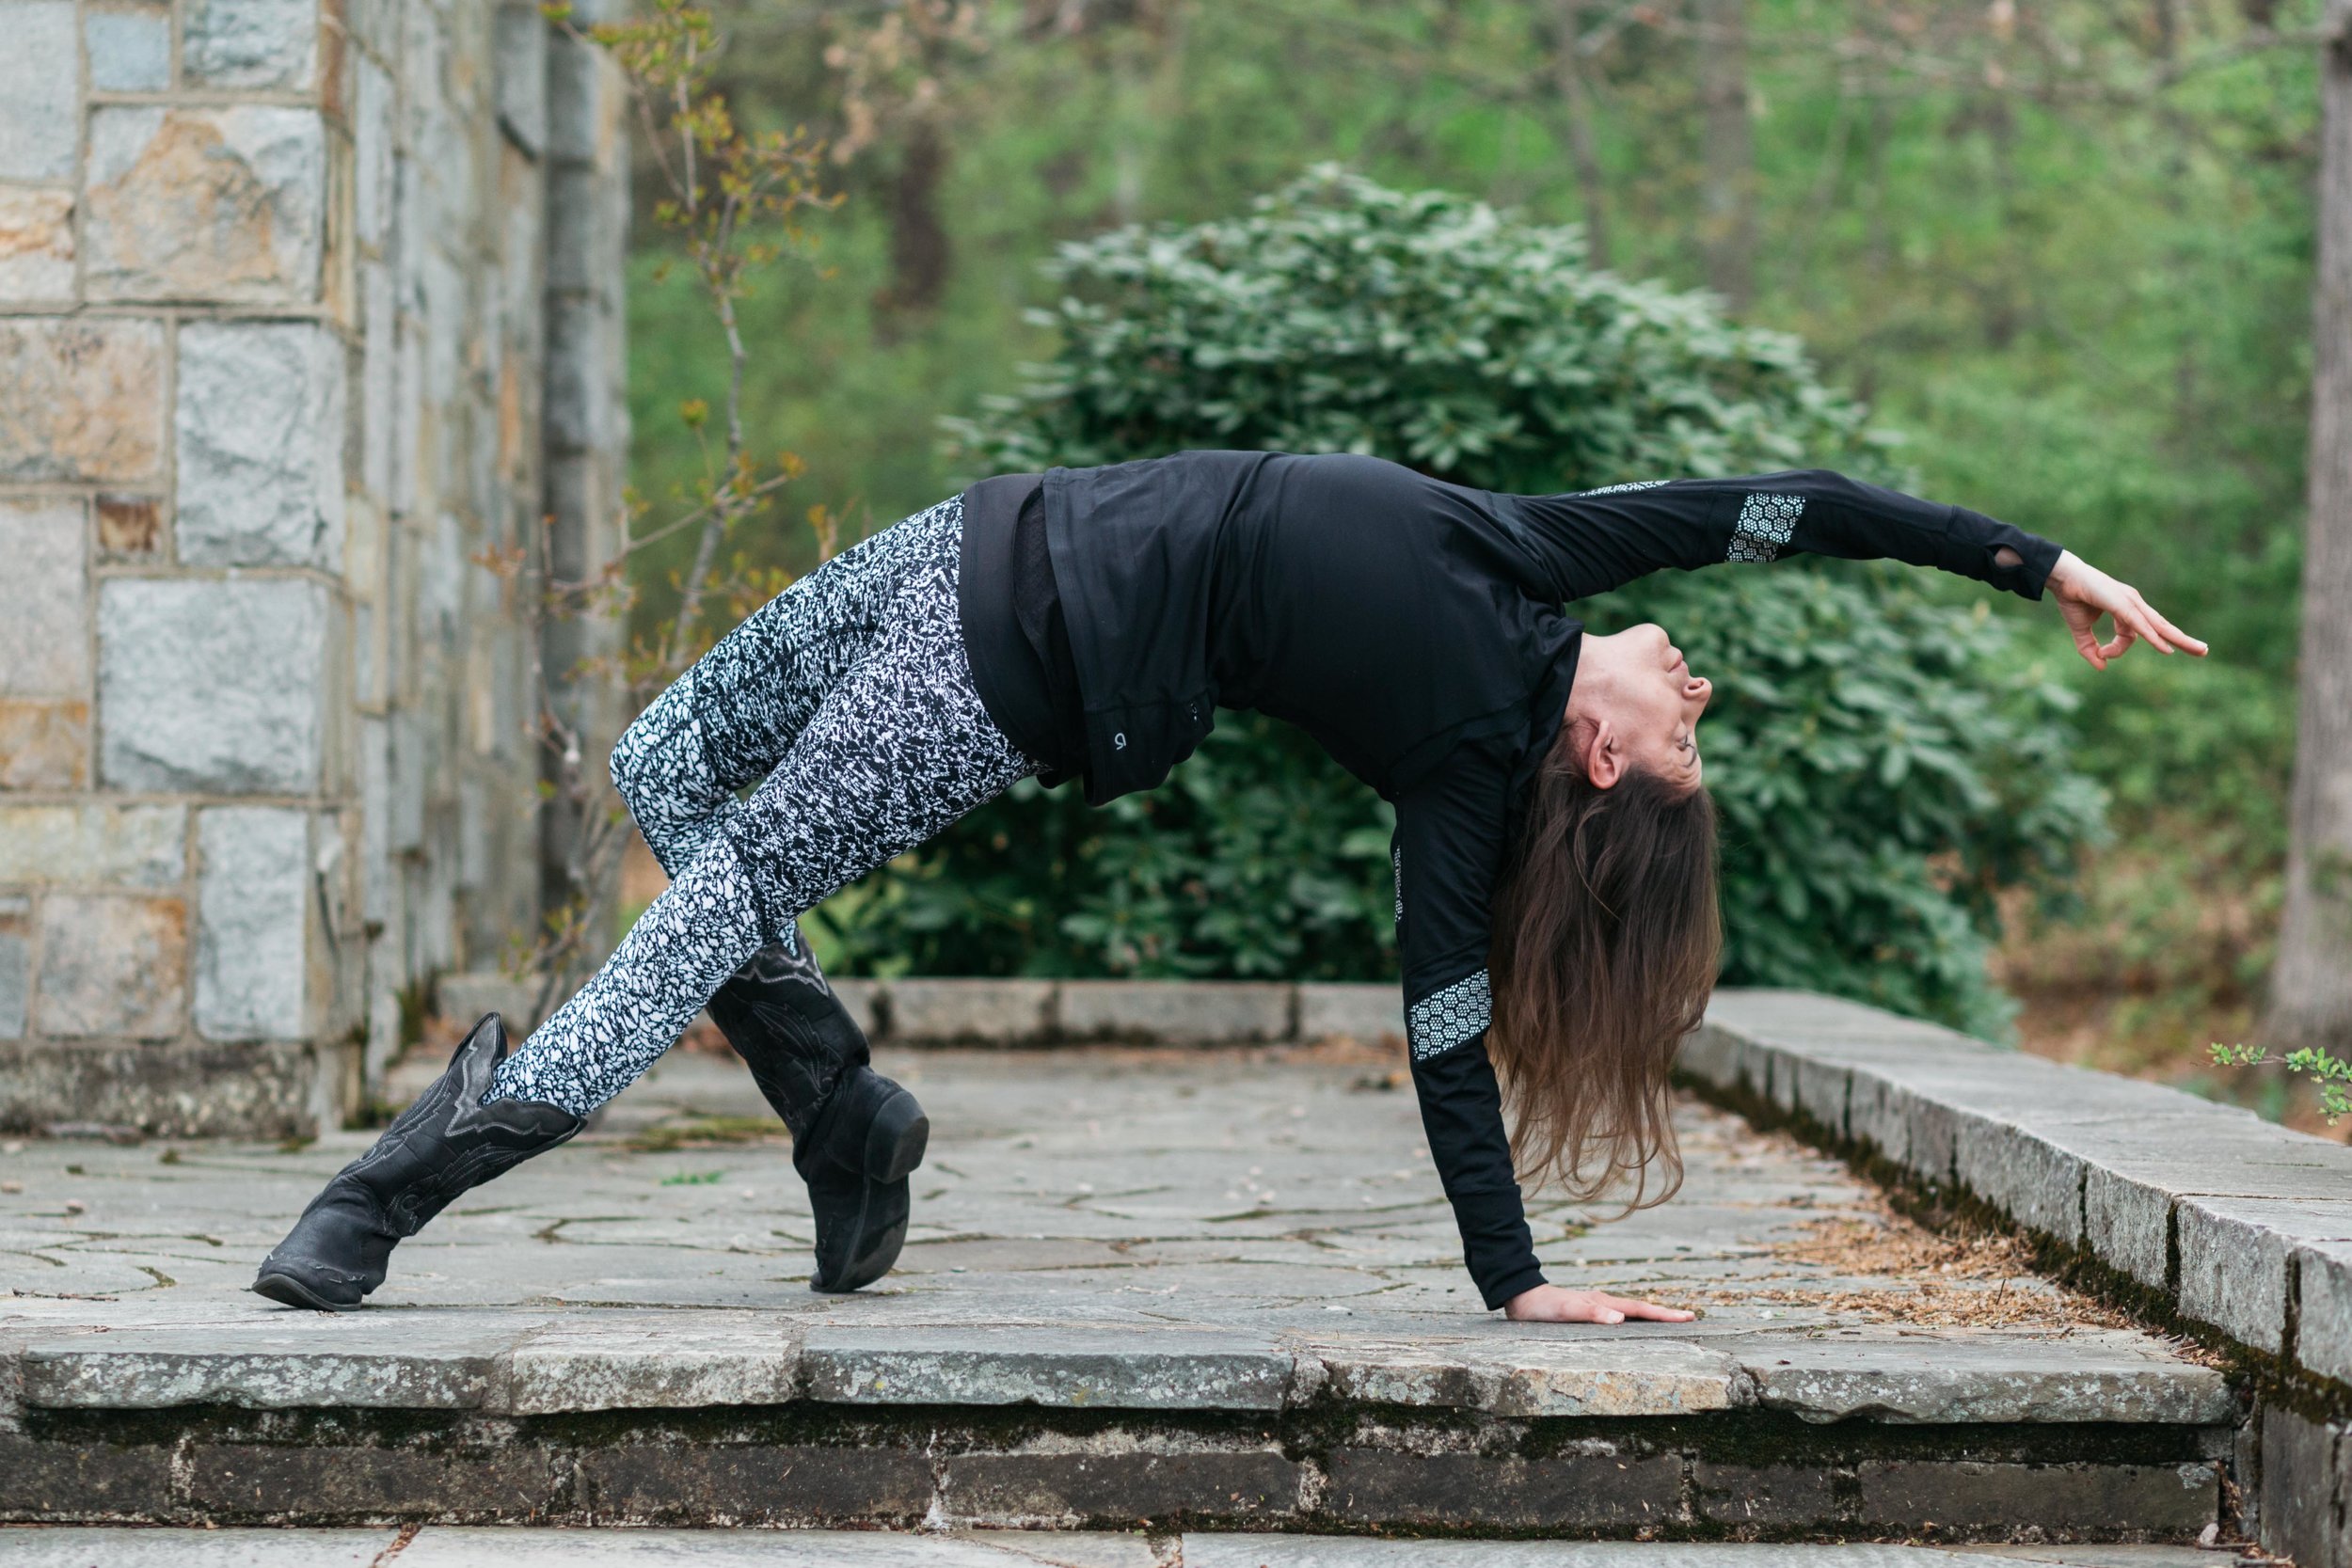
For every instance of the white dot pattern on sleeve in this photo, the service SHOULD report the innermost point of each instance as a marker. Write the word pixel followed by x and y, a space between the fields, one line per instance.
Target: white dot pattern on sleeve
pixel 1450 1016
pixel 1767 522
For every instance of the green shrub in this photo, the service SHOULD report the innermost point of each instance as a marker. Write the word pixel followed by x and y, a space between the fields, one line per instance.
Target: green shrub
pixel 1880 768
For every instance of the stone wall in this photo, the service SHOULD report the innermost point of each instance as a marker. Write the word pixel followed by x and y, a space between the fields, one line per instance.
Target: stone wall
pixel 303 306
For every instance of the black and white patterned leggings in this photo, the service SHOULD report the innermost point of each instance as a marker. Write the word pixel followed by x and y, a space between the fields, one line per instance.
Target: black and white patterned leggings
pixel 852 692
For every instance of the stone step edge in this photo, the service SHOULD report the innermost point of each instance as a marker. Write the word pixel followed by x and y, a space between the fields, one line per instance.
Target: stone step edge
pixel 1000 1012
pixel 550 1366
pixel 2233 1223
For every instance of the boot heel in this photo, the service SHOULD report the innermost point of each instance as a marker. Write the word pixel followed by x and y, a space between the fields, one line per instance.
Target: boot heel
pixel 895 1139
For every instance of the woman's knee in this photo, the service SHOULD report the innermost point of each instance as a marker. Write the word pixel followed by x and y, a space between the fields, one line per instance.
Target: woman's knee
pixel 637 766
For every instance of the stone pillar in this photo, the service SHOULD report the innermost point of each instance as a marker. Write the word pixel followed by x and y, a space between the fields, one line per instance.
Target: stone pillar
pixel 273 326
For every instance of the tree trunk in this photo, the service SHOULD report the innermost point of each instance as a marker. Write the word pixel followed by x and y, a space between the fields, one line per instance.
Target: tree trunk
pixel 1592 186
pixel 919 250
pixel 2310 1000
pixel 1727 203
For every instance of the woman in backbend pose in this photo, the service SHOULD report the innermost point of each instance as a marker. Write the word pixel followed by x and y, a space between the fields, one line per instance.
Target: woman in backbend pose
pixel 1554 852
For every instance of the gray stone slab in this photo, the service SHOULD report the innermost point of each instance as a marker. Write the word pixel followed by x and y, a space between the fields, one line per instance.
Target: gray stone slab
pixel 1295 1551
pixel 1328 1010
pixel 39 127
pixel 980 1012
pixel 212 685
pixel 1148 1368
pixel 276 1361
pixel 88 1546
pixel 1562 1374
pixel 130 51
pixel 654 1360
pixel 2322 1335
pixel 1184 1229
pixel 253 918
pixel 1218 1013
pixel 2233 1260
pixel 445 1546
pixel 1980 1375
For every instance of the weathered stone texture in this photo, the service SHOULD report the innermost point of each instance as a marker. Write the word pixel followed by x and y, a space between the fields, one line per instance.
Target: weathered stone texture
pixel 80 400
pixel 212 685
pixel 39 128
pixel 129 47
pixel 253 922
pixel 45 593
pixel 43 744
pixel 260 444
pixel 93 843
pixel 35 245
pixel 111 965
pixel 16 979
pixel 205 203
pixel 755 1484
pixel 250 44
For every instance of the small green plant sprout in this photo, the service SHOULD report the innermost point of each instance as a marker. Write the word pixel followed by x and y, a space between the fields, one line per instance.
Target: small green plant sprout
pixel 2330 1074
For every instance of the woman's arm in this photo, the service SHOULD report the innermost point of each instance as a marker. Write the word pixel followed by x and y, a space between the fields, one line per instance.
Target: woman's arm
pixel 1589 542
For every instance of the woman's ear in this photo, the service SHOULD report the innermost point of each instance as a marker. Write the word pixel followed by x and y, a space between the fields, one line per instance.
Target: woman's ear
pixel 1604 755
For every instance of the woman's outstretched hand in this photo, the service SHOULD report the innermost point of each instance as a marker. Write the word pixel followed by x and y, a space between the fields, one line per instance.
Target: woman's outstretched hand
pixel 1549 1304
pixel 2084 594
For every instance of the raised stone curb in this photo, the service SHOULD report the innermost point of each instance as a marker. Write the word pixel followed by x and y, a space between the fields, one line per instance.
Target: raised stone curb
pixel 2207 1205
pixel 2234 1224
pixel 1015 1012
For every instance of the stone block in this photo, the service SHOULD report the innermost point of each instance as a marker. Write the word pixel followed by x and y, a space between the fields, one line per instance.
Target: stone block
pixel 520 62
pixel 82 1480
pixel 375 141
pixel 16 978
pixel 583 121
pixel 43 744
pixel 213 686
pixel 250 44
pixel 189 1091
pixel 2127 1225
pixel 260 436
pixel 39 89
pixel 129 48
pixel 81 402
pixel 2025 1174
pixel 2323 1322
pixel 129 528
pixel 253 907
pixel 35 245
pixel 167 1546
pixel 1568 1495
pixel 263 1482
pixel 111 965
pixel 276 1361
pixel 1123 1487
pixel 2233 1260
pixel 378 378
pixel 1086 1369
pixel 1601 1376
pixel 93 845
pixel 219 203
pixel 1366 1013
pixel 1200 1012
pixel 971 1012
pixel 2302 1486
pixel 1921 1376
pixel 1765 1495
pixel 44 595
pixel 2168 1502
pixel 754 1483
pixel 659 1361
pixel 864 1001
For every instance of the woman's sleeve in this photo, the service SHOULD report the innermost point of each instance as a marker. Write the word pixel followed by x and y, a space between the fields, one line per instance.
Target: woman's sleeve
pixel 1448 850
pixel 1592 541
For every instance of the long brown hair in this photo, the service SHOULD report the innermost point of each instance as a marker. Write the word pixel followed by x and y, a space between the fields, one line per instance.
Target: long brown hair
pixel 1606 944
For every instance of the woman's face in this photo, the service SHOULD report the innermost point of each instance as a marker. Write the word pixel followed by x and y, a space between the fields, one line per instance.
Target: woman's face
pixel 1641 702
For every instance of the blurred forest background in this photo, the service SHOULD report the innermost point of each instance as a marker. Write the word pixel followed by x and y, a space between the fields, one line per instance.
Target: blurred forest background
pixel 2063 249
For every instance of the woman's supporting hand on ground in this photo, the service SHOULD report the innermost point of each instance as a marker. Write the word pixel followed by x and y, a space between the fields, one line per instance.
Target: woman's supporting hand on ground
pixel 2084 594
pixel 1549 1304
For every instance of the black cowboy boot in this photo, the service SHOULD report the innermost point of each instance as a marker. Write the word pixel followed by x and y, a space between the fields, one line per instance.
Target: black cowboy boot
pixel 444 1144
pixel 855 1135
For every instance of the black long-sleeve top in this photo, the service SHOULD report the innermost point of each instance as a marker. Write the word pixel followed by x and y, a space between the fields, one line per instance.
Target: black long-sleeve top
pixel 1415 628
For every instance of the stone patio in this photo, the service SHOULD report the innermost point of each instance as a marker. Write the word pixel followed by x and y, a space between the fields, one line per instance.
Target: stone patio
pixel 1210 1285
